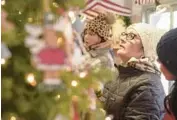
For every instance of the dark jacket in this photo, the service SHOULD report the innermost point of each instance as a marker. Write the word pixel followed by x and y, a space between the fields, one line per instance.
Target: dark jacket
pixel 135 95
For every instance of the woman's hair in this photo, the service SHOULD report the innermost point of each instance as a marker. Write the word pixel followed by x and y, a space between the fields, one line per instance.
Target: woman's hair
pixel 170 101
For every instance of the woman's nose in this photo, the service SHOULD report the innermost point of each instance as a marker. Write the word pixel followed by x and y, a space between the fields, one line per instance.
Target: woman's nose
pixel 122 41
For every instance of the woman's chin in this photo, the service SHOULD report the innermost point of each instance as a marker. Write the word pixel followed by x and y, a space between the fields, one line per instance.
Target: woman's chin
pixel 120 52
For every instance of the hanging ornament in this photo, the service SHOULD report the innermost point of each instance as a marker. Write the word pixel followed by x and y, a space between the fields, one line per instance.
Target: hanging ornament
pixel 52 57
pixel 5 52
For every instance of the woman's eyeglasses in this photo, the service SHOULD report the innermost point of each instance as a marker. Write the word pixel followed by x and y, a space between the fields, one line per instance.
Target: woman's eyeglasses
pixel 127 36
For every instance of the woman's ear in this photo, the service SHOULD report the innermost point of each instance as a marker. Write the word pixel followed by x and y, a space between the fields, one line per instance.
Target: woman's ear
pixel 168 75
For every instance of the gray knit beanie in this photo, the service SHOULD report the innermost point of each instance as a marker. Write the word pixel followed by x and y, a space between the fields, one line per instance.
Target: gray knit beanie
pixel 150 36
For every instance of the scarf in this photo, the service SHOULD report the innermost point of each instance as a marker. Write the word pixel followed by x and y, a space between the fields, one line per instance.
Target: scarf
pixel 98 49
pixel 143 64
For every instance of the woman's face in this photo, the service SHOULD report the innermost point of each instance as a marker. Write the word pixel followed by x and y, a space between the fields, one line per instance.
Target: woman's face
pixel 91 38
pixel 130 45
pixel 166 73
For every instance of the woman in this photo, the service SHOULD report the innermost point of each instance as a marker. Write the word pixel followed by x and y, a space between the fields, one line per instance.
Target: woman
pixel 137 94
pixel 97 39
pixel 167 57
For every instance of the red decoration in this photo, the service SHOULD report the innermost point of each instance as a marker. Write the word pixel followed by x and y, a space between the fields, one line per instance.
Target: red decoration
pixel 52 56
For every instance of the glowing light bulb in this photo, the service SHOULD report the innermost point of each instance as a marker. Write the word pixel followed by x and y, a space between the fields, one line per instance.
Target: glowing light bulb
pixel 3 61
pixel 82 74
pixel 58 97
pixel 55 4
pixel 31 80
pixel 13 118
pixel 74 83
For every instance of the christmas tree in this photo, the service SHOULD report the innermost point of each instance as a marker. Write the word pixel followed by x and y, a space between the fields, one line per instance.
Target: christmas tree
pixel 23 95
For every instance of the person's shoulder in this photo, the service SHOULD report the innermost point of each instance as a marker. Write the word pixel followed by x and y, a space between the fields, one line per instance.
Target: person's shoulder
pixel 148 76
pixel 147 79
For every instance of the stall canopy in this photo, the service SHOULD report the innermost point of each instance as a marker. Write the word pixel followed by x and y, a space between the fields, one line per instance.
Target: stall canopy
pixel 95 6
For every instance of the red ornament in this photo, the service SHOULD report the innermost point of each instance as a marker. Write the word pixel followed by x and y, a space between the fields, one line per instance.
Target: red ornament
pixel 52 56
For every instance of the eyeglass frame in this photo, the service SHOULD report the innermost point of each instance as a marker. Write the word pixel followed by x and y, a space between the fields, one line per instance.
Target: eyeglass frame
pixel 126 34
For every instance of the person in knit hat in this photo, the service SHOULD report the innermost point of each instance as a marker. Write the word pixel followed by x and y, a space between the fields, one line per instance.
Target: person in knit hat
pixel 97 40
pixel 137 93
pixel 167 57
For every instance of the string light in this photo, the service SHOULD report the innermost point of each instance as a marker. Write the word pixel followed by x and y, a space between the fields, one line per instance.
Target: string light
pixel 31 80
pixel 82 74
pixel 3 2
pixel 74 83
pixel 19 12
pixel 30 19
pixel 3 61
pixel 58 97
pixel 13 118
pixel 55 4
